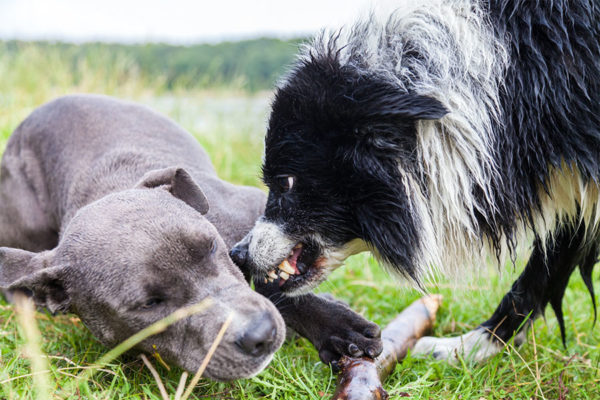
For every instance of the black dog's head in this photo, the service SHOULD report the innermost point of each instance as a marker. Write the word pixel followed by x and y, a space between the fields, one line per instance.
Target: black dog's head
pixel 339 152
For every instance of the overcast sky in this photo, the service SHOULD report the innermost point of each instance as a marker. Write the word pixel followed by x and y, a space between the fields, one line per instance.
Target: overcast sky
pixel 178 21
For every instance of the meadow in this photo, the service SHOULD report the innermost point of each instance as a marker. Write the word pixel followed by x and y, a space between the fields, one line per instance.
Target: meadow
pixel 229 121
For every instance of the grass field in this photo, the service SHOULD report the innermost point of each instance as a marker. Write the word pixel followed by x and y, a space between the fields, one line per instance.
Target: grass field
pixel 230 124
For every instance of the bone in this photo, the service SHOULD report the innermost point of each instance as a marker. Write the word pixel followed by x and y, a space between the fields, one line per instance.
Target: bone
pixel 361 378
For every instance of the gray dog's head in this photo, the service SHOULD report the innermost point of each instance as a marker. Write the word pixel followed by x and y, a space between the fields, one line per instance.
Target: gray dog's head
pixel 132 258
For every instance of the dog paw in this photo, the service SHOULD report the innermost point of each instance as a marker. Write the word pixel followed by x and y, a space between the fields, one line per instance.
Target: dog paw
pixel 349 334
pixel 476 345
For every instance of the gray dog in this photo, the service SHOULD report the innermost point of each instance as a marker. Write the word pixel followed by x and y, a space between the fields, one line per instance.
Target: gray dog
pixel 101 195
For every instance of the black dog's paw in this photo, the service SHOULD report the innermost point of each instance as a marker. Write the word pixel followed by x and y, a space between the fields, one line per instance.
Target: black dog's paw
pixel 330 324
pixel 347 333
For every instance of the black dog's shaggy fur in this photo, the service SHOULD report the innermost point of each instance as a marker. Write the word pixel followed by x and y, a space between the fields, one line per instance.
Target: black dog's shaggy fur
pixel 451 127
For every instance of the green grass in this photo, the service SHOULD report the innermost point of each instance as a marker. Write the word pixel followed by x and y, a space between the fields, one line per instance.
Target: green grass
pixel 231 126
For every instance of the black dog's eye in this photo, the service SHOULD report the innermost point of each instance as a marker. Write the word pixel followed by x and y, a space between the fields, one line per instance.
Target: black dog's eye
pixel 152 302
pixel 285 182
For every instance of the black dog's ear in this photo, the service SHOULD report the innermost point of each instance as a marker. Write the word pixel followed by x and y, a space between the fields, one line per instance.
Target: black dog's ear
pixel 31 274
pixel 410 106
pixel 179 183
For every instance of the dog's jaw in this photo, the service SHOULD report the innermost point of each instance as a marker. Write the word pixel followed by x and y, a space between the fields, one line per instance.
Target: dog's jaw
pixel 298 267
pixel 330 259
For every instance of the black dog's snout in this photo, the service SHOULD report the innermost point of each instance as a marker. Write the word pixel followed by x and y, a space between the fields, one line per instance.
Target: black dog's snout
pixel 259 336
pixel 239 254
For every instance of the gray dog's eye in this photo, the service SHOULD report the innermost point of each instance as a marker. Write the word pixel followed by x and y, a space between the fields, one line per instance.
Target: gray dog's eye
pixel 152 302
pixel 213 247
pixel 286 182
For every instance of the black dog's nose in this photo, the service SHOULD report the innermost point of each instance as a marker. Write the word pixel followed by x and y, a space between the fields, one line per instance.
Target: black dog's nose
pixel 239 254
pixel 259 336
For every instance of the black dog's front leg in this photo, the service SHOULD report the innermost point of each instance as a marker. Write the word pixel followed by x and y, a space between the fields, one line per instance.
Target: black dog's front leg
pixel 331 326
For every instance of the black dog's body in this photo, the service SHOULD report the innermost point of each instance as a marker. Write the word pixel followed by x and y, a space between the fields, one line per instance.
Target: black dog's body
pixel 453 127
pixel 551 109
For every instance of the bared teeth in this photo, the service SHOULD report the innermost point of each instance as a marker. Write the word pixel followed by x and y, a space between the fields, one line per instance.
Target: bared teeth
pixel 284 275
pixel 286 267
pixel 272 274
pixel 298 246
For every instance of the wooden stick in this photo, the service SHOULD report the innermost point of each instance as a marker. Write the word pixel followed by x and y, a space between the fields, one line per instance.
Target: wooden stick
pixel 361 378
pixel 181 386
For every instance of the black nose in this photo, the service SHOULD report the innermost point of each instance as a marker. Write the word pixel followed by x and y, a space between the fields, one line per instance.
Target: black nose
pixel 239 254
pixel 259 336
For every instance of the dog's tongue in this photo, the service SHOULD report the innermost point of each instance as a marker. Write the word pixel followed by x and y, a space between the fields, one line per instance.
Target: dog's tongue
pixel 293 258
pixel 287 267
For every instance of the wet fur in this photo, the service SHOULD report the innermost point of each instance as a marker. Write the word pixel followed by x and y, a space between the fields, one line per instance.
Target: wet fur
pixel 446 131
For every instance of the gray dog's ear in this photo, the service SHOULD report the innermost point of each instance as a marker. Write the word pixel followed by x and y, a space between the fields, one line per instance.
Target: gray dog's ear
pixel 181 185
pixel 30 273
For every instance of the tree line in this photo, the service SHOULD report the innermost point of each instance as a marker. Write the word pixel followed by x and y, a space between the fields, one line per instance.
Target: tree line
pixel 252 65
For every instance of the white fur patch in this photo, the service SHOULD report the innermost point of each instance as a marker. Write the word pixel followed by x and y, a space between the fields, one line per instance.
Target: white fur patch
pixel 268 245
pixel 568 191
pixel 475 345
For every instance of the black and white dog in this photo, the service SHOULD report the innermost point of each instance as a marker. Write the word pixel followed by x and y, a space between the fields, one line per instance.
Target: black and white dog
pixel 448 130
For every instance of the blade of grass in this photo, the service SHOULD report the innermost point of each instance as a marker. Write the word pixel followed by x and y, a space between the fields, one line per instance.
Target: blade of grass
pixel 207 358
pixel 159 383
pixel 181 386
pixel 153 329
pixel 39 367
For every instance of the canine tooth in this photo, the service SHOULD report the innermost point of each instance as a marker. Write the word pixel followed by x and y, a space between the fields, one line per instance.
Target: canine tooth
pixel 298 246
pixel 285 266
pixel 266 280
pixel 284 275
pixel 272 274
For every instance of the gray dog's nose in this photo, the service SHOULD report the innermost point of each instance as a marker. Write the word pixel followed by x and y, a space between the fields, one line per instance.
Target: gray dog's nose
pixel 239 254
pixel 259 335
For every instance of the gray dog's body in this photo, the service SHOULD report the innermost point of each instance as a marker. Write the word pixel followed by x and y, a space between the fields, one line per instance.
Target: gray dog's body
pixel 106 192
pixel 78 149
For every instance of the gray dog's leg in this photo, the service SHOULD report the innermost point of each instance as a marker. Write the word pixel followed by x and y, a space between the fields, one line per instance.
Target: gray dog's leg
pixel 23 222
pixel 24 206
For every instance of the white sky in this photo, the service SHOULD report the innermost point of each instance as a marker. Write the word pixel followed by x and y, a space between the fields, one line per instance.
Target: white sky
pixel 178 21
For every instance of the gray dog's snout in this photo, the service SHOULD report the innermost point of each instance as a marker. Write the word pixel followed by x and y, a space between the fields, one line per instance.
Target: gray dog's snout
pixel 259 336
pixel 239 254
